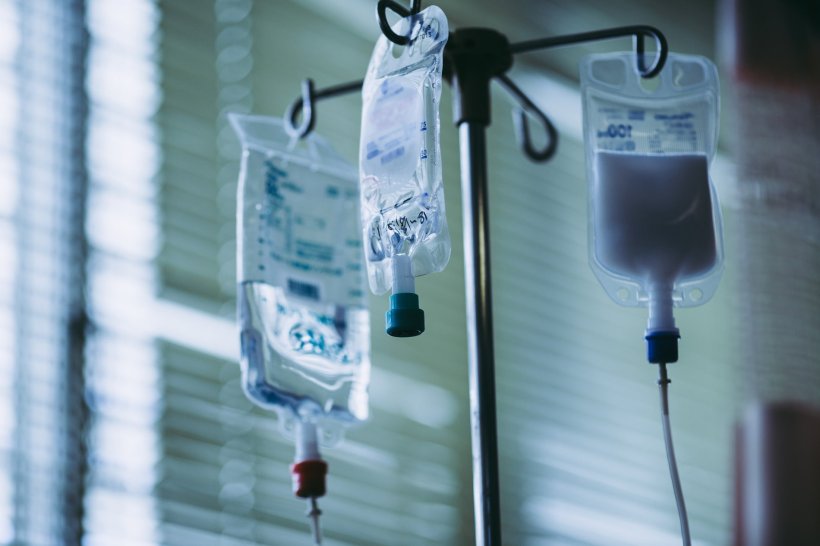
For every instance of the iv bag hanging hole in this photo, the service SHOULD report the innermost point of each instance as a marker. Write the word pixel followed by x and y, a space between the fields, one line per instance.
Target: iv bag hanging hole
pixel 649 85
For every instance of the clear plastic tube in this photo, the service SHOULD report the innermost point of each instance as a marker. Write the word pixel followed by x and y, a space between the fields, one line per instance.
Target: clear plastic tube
pixel 313 514
pixel 663 384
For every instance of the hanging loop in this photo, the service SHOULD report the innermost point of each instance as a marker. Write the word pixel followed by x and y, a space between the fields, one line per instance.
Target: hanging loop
pixel 384 25
pixel 522 128
pixel 303 105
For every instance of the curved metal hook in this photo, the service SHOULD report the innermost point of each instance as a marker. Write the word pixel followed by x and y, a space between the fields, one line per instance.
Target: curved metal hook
pixel 522 124
pixel 640 51
pixel 303 105
pixel 306 105
pixel 381 13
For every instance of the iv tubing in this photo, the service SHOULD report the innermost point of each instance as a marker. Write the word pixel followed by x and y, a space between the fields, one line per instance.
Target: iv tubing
pixel 313 514
pixel 663 384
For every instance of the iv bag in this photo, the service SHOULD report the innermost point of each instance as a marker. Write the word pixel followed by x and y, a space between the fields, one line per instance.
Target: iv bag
pixel 404 225
pixel 654 218
pixel 304 323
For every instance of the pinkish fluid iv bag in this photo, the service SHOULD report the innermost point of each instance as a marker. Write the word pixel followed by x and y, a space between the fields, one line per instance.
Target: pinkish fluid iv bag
pixel 654 220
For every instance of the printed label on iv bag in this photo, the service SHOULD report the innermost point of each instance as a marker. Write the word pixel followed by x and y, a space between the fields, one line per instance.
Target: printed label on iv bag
pixel 676 112
pixel 621 128
pixel 393 143
pixel 292 241
pixel 400 126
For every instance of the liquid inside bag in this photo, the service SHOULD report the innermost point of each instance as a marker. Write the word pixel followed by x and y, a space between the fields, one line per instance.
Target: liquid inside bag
pixel 655 225
pixel 402 208
pixel 304 324
pixel 655 216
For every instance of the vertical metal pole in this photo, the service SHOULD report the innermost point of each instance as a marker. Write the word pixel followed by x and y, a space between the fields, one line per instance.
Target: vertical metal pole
pixel 486 496
pixel 472 58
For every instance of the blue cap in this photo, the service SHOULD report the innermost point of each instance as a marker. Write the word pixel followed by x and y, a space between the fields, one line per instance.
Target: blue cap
pixel 404 319
pixel 662 346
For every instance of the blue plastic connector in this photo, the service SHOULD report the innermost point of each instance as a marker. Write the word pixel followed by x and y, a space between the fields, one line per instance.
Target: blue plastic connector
pixel 404 319
pixel 662 346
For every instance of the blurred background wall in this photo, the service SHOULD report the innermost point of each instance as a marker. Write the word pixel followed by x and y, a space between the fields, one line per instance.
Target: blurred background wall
pixel 121 416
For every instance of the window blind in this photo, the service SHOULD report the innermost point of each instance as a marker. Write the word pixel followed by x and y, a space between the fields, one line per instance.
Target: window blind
pixel 9 196
pixel 42 52
pixel 122 366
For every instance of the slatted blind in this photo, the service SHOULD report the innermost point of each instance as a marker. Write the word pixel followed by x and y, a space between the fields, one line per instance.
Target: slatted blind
pixel 42 128
pixel 9 195
pixel 122 364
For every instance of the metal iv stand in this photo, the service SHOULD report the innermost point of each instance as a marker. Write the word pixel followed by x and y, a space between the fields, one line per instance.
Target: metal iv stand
pixel 472 58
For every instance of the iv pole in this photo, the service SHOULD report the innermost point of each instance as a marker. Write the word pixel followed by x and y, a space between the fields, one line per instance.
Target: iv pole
pixel 472 58
pixel 476 55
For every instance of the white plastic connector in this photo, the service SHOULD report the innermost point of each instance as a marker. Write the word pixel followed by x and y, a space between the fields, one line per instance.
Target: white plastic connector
pixel 307 442
pixel 403 280
pixel 661 316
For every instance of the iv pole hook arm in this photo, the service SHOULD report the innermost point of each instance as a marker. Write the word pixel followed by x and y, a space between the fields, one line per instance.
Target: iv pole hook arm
pixel 522 128
pixel 307 102
pixel 638 32
pixel 303 104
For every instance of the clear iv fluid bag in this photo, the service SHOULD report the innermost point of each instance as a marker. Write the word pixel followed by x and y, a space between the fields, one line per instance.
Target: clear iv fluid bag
pixel 400 165
pixel 304 324
pixel 654 218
